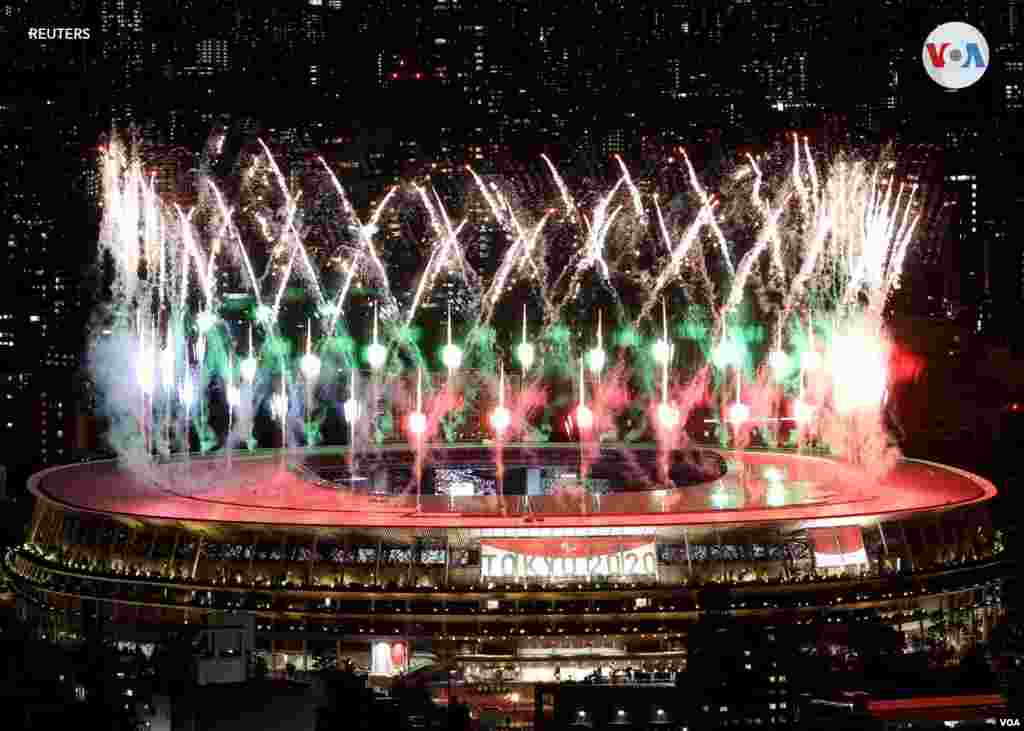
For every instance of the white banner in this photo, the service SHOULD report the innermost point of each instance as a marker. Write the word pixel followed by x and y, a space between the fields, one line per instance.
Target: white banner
pixel 561 559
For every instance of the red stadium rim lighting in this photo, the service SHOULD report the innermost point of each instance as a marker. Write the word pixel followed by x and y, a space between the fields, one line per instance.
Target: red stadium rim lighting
pixel 263 489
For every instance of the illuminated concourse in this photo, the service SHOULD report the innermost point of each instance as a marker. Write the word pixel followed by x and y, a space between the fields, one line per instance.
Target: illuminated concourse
pixel 492 596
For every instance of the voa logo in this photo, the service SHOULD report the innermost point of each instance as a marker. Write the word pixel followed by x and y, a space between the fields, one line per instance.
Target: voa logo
pixel 1009 722
pixel 955 55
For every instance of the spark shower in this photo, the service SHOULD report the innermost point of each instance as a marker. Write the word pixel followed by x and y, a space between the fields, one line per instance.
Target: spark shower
pixel 759 308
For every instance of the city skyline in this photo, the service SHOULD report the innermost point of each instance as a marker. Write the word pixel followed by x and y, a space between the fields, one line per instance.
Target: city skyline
pixel 494 90
pixel 587 364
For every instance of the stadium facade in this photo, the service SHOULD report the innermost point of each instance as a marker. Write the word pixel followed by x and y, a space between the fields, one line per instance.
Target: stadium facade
pixel 559 572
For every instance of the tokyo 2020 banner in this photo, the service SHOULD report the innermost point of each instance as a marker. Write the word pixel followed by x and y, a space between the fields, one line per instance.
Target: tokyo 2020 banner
pixel 568 558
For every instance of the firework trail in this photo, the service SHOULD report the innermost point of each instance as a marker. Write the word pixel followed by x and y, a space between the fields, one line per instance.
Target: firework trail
pixel 832 242
pixel 365 232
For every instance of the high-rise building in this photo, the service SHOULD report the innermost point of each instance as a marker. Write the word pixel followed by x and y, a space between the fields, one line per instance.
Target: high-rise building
pixel 1013 82
pixel 53 417
pixel 740 675
pixel 970 253
pixel 122 42
pixel 28 322
pixel 213 54
pixel 14 387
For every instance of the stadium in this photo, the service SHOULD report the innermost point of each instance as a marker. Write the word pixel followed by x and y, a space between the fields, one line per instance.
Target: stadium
pixel 493 593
